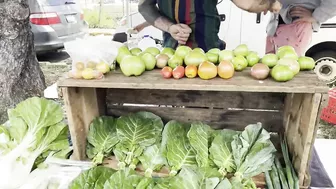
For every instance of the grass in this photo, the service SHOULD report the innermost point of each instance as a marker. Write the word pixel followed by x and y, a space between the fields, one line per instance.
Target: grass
pixel 110 14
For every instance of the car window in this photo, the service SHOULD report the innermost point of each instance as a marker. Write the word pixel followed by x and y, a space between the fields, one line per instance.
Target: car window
pixel 56 2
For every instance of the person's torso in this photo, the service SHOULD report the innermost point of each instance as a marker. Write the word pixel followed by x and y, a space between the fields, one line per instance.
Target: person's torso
pixel 284 17
pixel 200 15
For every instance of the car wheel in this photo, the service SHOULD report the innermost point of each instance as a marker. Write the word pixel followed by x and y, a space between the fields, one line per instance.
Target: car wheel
pixel 326 66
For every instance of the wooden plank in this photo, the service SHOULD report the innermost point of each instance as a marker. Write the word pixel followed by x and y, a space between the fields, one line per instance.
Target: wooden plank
pixel 304 82
pixel 81 106
pixel 215 99
pixel 217 118
pixel 300 121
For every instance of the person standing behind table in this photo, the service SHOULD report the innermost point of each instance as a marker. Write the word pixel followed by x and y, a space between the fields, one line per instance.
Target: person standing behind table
pixel 194 23
pixel 297 21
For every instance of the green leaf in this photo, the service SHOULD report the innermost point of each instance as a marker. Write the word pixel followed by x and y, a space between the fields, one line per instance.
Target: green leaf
pixel 92 178
pixel 157 121
pixel 137 132
pixel 191 177
pixel 152 159
pixel 221 151
pixel 199 137
pixel 123 179
pixel 178 150
pixel 102 137
pixel 146 183
pixel 224 184
pixel 253 152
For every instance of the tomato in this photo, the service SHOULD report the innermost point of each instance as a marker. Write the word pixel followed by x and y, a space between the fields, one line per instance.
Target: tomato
pixel 282 73
pixel 306 63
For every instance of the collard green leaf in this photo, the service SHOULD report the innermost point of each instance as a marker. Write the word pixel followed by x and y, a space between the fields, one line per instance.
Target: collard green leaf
pixel 192 177
pixel 152 159
pixel 178 149
pixel 199 137
pixel 146 183
pixel 157 121
pixel 253 152
pixel 224 184
pixel 163 183
pixel 125 179
pixel 136 132
pixel 92 178
pixel 221 151
pixel 102 137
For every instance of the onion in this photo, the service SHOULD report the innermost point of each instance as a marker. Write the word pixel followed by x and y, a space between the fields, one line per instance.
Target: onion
pixel 291 63
pixel 162 60
pixel 260 71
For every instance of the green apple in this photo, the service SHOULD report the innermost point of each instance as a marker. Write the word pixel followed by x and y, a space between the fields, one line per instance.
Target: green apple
pixel 225 55
pixel 270 60
pixel 252 59
pixel 168 51
pixel 149 60
pixel 132 65
pixel 212 57
pixel 136 51
pixel 182 51
pixel 241 50
pixel 122 53
pixel 214 51
pixel 175 61
pixel 153 50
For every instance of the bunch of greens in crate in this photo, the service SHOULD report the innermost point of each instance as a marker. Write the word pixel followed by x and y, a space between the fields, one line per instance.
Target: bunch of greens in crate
pixel 142 138
pixel 34 131
pixel 279 177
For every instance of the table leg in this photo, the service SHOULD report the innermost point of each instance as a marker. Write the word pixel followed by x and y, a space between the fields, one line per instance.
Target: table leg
pixel 300 122
pixel 82 105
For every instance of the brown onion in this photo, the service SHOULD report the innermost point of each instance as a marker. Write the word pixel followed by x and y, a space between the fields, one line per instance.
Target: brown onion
pixel 162 60
pixel 260 71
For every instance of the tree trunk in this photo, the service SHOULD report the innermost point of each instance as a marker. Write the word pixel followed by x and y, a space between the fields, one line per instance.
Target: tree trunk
pixel 20 73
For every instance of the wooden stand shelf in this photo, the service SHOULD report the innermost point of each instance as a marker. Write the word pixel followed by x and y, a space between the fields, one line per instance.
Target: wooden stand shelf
pixel 291 107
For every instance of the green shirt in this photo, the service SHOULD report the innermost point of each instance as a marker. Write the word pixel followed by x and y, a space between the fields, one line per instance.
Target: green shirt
pixel 200 15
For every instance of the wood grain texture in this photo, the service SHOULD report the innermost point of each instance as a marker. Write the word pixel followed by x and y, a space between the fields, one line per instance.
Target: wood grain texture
pixel 300 121
pixel 217 118
pixel 215 99
pixel 81 106
pixel 304 82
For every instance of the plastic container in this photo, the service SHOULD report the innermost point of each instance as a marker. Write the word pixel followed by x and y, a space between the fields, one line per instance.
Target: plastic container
pixel 146 42
pixel 328 114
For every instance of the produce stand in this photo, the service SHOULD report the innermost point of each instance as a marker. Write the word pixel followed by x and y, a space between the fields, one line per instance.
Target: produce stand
pixel 291 107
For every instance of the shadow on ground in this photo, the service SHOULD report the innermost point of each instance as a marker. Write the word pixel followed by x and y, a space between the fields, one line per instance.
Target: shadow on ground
pixel 54 57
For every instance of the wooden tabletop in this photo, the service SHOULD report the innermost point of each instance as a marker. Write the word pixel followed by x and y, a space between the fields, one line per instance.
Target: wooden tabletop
pixel 304 82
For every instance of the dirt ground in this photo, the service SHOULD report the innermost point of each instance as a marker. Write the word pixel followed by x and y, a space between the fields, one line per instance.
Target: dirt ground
pixel 57 65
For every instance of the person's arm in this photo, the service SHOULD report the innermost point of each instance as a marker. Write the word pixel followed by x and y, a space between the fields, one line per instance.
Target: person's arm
pixel 141 26
pixel 325 11
pixel 258 6
pixel 151 13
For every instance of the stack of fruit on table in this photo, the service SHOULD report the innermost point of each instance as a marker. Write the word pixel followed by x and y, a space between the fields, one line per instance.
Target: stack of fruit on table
pixel 187 62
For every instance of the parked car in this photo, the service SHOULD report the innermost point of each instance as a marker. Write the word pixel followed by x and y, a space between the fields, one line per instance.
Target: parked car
pixel 54 22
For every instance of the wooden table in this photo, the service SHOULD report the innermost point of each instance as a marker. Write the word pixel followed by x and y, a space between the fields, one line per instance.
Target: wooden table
pixel 291 107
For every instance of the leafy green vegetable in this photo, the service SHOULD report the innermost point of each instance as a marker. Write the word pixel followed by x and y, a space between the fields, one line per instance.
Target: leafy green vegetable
pixel 177 148
pixel 123 179
pixel 191 177
pixel 92 178
pixel 224 184
pixel 146 183
pixel 34 127
pixel 221 151
pixel 102 137
pixel 136 132
pixel 152 159
pixel 199 137
pixel 253 152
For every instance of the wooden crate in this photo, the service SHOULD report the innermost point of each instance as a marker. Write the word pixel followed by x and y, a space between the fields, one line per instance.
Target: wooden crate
pixel 290 107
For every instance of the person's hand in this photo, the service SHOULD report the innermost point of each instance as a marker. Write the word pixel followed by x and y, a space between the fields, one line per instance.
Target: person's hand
pixel 274 8
pixel 305 15
pixel 180 32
